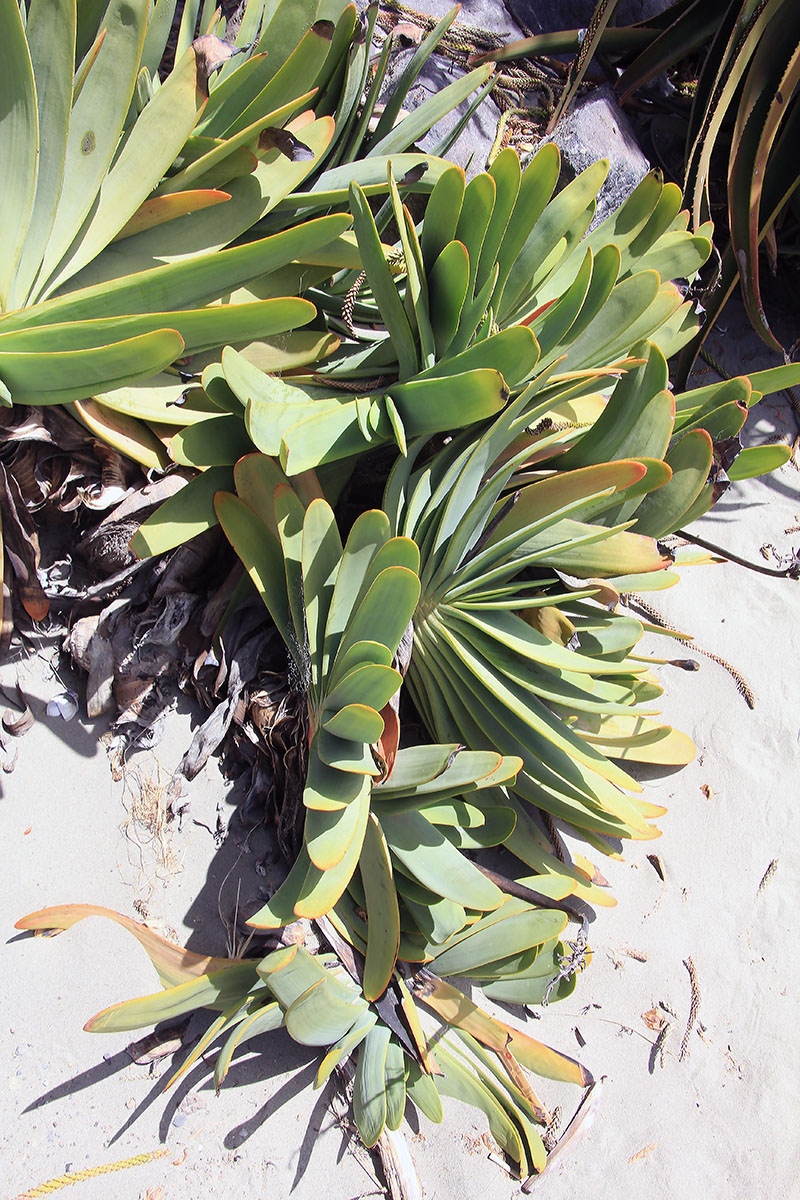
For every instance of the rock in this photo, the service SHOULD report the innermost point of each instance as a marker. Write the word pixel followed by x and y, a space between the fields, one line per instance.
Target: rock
pixel 546 16
pixel 596 127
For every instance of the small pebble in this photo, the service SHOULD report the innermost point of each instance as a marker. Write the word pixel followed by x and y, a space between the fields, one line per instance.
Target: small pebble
pixel 179 1119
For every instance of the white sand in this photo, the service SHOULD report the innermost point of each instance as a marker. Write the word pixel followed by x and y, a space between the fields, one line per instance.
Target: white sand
pixel 719 1124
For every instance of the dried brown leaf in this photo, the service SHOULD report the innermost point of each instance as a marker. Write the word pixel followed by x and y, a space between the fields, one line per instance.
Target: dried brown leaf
pixel 653 1019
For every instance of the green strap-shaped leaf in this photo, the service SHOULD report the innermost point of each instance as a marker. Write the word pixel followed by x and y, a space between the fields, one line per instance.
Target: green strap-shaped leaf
pixel 506 173
pixel 370 684
pixel 519 1106
pixel 345 1046
pixel 182 284
pixel 430 858
pixel 442 213
pixel 465 770
pixel 417 123
pixel 435 918
pixel 346 754
pixel 417 765
pixel 381 282
pixel 356 722
pixel 384 613
pixel 329 788
pixel 369 532
pixel 473 222
pixel 128 435
pixel 622 430
pixel 57 377
pixel 662 512
pixel 502 939
pixel 369 1085
pixel 257 476
pixel 383 916
pixel 321 556
pixel 19 144
pixel 291 971
pixel 231 1016
pixel 463 1084
pixel 395 1085
pixel 555 221
pixel 401 86
pixel 201 329
pixel 262 558
pixel 449 281
pixel 263 1020
pixel 328 834
pixel 289 516
pixel 321 889
pixel 421 1088
pixel 217 990
pixel 158 30
pixel 151 147
pixel 758 460
pixel 50 32
pixel 457 1009
pixel 95 125
pixel 323 1014
pixel 216 442
pixel 416 283
pixel 183 516
pixel 294 75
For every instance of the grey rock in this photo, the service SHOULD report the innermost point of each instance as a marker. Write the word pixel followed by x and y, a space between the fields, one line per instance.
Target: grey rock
pixel 547 16
pixel 483 14
pixel 596 127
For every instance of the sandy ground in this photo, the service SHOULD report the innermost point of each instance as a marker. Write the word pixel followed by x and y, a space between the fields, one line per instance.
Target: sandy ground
pixel 716 1124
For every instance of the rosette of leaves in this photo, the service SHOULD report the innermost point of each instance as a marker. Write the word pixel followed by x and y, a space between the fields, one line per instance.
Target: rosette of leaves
pixel 126 199
pixel 402 820
pixel 474 1057
pixel 500 278
pixel 743 108
pixel 342 612
pixel 501 282
pixel 499 285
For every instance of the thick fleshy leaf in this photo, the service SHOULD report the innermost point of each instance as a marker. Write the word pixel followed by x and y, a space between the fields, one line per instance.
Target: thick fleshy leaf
pixel 266 1018
pixel 329 834
pixel 151 147
pixel 426 853
pixel 58 377
pixel 19 144
pixel 382 283
pixel 217 990
pixel 383 917
pixel 758 460
pixel 50 33
pixel 173 963
pixel 421 1089
pixel 261 555
pixel 131 437
pixel 320 890
pixel 454 1007
pixel 324 1013
pixel 96 122
pixel 177 285
pixel 369 1085
pixel 395 1085
pixel 345 1046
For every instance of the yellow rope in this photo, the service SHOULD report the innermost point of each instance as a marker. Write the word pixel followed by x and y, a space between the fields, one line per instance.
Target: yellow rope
pixel 62 1181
